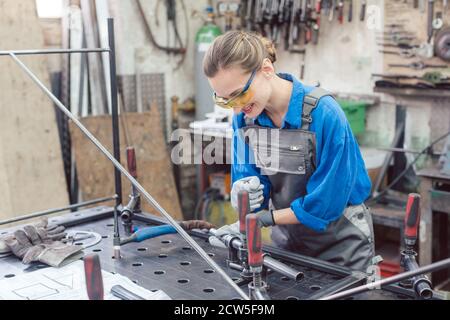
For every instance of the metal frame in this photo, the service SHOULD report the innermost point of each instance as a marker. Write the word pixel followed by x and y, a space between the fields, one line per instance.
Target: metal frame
pixel 116 144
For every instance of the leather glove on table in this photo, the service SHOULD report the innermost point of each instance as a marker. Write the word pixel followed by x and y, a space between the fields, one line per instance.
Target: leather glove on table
pixel 53 232
pixel 41 242
pixel 253 186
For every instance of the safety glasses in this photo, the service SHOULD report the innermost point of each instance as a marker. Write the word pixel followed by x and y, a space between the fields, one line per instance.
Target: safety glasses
pixel 240 99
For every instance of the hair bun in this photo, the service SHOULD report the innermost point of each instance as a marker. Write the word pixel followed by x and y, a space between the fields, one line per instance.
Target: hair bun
pixel 270 48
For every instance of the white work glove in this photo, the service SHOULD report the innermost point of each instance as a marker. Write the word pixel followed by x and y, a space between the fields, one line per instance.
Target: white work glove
pixel 232 229
pixel 255 192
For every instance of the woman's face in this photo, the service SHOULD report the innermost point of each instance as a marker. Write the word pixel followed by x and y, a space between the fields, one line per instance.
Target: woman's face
pixel 228 83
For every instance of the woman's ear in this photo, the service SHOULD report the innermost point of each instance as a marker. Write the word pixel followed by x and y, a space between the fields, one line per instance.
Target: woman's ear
pixel 267 67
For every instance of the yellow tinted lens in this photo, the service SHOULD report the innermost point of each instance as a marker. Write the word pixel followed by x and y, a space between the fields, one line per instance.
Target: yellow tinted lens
pixel 242 100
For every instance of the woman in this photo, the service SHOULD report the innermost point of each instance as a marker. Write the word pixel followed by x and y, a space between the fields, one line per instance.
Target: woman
pixel 315 190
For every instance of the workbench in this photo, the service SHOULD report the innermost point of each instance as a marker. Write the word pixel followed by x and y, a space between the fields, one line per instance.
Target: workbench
pixel 168 263
pixel 432 200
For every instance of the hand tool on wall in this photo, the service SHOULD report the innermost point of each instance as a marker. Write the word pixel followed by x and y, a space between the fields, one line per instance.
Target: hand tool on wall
pixel 287 17
pixel 442 44
pixel 420 283
pixel 257 288
pixel 333 6
pixel 180 49
pixel 249 15
pixel 93 276
pixel 417 65
pixel 432 77
pixel 341 11
pixel 424 50
pixel 362 10
pixel 430 16
pixel 350 11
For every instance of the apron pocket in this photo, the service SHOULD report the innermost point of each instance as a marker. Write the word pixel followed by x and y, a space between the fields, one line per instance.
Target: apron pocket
pixel 280 160
pixel 357 215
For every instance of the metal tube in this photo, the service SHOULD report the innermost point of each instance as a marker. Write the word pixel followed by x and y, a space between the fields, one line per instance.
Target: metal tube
pixel 50 211
pixel 51 51
pixel 402 276
pixel 114 110
pixel 133 181
pixel 282 268
pixel 421 284
pixel 116 136
pixel 269 262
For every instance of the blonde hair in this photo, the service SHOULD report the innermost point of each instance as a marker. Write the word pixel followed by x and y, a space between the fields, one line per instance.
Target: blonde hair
pixel 238 48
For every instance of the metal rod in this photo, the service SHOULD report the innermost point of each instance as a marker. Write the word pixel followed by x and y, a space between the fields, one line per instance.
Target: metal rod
pixel 50 211
pixel 51 51
pixel 402 276
pixel 114 110
pixel 133 181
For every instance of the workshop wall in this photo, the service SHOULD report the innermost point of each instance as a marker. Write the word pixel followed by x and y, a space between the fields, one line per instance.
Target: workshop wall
pixel 343 60
pixel 427 115
pixel 135 51
pixel 30 155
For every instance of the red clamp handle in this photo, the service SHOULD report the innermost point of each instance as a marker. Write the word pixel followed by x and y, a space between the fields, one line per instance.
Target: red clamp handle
pixel 412 218
pixel 254 246
pixel 341 12
pixel 318 6
pixel 131 161
pixel 244 209
pixel 93 275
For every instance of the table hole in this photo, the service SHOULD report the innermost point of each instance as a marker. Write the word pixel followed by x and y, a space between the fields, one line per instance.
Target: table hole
pixel 137 264
pixel 159 272
pixel 183 281
pixel 10 275
pixel 209 290
pixel 185 263
pixel 292 298
pixel 162 255
pixel 141 249
pixel 315 287
pixel 208 271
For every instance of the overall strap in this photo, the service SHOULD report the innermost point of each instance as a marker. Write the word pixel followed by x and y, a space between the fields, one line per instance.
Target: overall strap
pixel 310 102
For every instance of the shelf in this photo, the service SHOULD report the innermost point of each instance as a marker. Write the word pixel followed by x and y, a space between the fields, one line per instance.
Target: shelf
pixel 429 93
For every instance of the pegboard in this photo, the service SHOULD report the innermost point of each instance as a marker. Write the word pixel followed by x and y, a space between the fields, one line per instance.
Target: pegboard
pixel 402 16
pixel 152 89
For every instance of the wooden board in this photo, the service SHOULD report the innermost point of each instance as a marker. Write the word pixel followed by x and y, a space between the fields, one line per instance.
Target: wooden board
pixel 95 172
pixel 32 176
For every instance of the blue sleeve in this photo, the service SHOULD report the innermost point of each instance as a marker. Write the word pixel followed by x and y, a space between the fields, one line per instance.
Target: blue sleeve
pixel 329 187
pixel 243 163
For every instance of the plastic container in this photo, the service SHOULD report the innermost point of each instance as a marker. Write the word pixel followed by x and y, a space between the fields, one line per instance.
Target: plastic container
pixel 356 115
